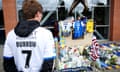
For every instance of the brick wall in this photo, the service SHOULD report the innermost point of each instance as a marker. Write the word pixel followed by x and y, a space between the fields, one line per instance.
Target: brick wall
pixel 115 20
pixel 10 14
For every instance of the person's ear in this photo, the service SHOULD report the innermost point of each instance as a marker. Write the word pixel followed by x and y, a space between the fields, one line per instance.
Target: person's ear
pixel 37 14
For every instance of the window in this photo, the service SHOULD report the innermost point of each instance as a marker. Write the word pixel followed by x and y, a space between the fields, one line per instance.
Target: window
pixel 2 31
pixel 58 10
pixel 101 15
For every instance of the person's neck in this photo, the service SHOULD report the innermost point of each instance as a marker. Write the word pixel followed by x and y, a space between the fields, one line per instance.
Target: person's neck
pixel 35 19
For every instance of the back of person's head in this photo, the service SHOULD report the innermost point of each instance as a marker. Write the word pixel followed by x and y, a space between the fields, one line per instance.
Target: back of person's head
pixel 30 8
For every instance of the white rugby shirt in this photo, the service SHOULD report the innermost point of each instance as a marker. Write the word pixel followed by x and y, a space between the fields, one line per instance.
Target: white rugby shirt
pixel 29 52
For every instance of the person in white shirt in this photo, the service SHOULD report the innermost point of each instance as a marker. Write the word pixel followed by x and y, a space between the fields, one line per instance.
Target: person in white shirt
pixel 29 47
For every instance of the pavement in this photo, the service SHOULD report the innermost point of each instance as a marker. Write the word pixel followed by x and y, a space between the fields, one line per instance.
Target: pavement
pixel 1 59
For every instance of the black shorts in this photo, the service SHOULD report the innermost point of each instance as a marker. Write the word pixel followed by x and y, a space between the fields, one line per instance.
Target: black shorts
pixel 47 65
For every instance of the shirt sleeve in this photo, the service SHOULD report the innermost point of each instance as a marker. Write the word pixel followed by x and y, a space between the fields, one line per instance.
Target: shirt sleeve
pixel 50 46
pixel 8 58
pixel 7 50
